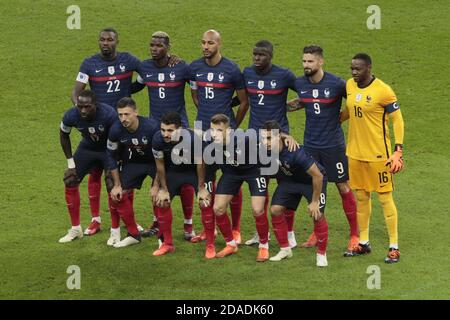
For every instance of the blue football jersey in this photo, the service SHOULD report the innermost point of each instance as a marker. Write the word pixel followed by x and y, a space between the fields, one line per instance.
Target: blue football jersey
pixel 179 155
pixel 294 165
pixel 241 158
pixel 267 95
pixel 165 88
pixel 322 103
pixel 136 146
pixel 95 132
pixel 110 80
pixel 215 86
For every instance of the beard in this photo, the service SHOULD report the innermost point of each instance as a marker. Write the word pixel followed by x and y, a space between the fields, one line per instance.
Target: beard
pixel 310 72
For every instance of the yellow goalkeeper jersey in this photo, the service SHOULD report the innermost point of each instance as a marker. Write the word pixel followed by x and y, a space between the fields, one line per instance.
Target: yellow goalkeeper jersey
pixel 368 130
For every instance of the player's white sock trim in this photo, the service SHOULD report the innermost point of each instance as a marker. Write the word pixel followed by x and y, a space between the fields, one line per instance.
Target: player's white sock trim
pixel 264 245
pixel 187 221
pixel 394 246
pixel 364 242
pixel 78 227
pixel 98 219
pixel 232 243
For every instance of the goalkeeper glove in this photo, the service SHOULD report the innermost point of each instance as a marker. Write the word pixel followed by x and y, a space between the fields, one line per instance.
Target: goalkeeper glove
pixel 396 159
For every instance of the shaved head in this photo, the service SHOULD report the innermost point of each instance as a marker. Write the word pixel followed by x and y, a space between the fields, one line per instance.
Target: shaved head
pixel 211 42
pixel 212 34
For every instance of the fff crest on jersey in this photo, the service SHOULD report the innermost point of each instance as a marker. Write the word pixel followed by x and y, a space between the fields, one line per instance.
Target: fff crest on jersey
pixel 161 77
pixel 135 141
pixel 122 67
pixel 101 127
pixel 172 76
pixel 326 92
pixel 111 70
pixel 144 140
pixel 91 130
pixel 315 93
pixel 227 154
pixel 221 77
pixel 210 76
pixel 358 97
pixel 260 84
pixel 273 84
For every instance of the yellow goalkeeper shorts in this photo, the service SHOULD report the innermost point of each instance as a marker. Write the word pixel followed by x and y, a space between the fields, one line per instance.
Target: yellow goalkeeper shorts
pixel 370 176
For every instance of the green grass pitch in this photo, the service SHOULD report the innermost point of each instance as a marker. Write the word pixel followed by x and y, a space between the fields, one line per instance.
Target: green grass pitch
pixel 40 60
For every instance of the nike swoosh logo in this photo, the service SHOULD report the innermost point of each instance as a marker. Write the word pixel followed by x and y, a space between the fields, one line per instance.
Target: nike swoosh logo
pixel 97 71
pixel 250 82
pixel 341 176
pixel 199 74
pixel 149 75
pixel 302 92
pixel 123 141
pixel 384 185
pixel 320 207
pixel 263 190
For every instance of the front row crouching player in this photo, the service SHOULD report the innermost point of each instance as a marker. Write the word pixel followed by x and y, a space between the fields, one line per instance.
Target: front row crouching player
pixel 129 140
pixel 236 169
pixel 299 176
pixel 93 120
pixel 178 154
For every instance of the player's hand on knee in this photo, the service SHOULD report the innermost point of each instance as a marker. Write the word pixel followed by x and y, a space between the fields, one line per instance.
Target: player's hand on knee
pixel 154 193
pixel 163 198
pixel 204 198
pixel 314 210
pixel 290 142
pixel 116 193
pixel 70 178
pixel 109 181
pixel 396 162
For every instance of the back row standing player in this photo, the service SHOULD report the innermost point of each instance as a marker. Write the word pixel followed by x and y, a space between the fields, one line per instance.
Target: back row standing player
pixel 321 93
pixel 214 79
pixel 109 74
pixel 165 83
pixel 371 103
pixel 267 87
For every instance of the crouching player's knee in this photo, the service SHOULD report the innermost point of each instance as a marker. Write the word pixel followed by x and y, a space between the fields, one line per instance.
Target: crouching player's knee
pixel 71 179
pixel 109 181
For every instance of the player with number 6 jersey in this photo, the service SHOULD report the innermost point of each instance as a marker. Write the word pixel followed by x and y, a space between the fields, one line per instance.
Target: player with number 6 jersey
pixel 165 78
